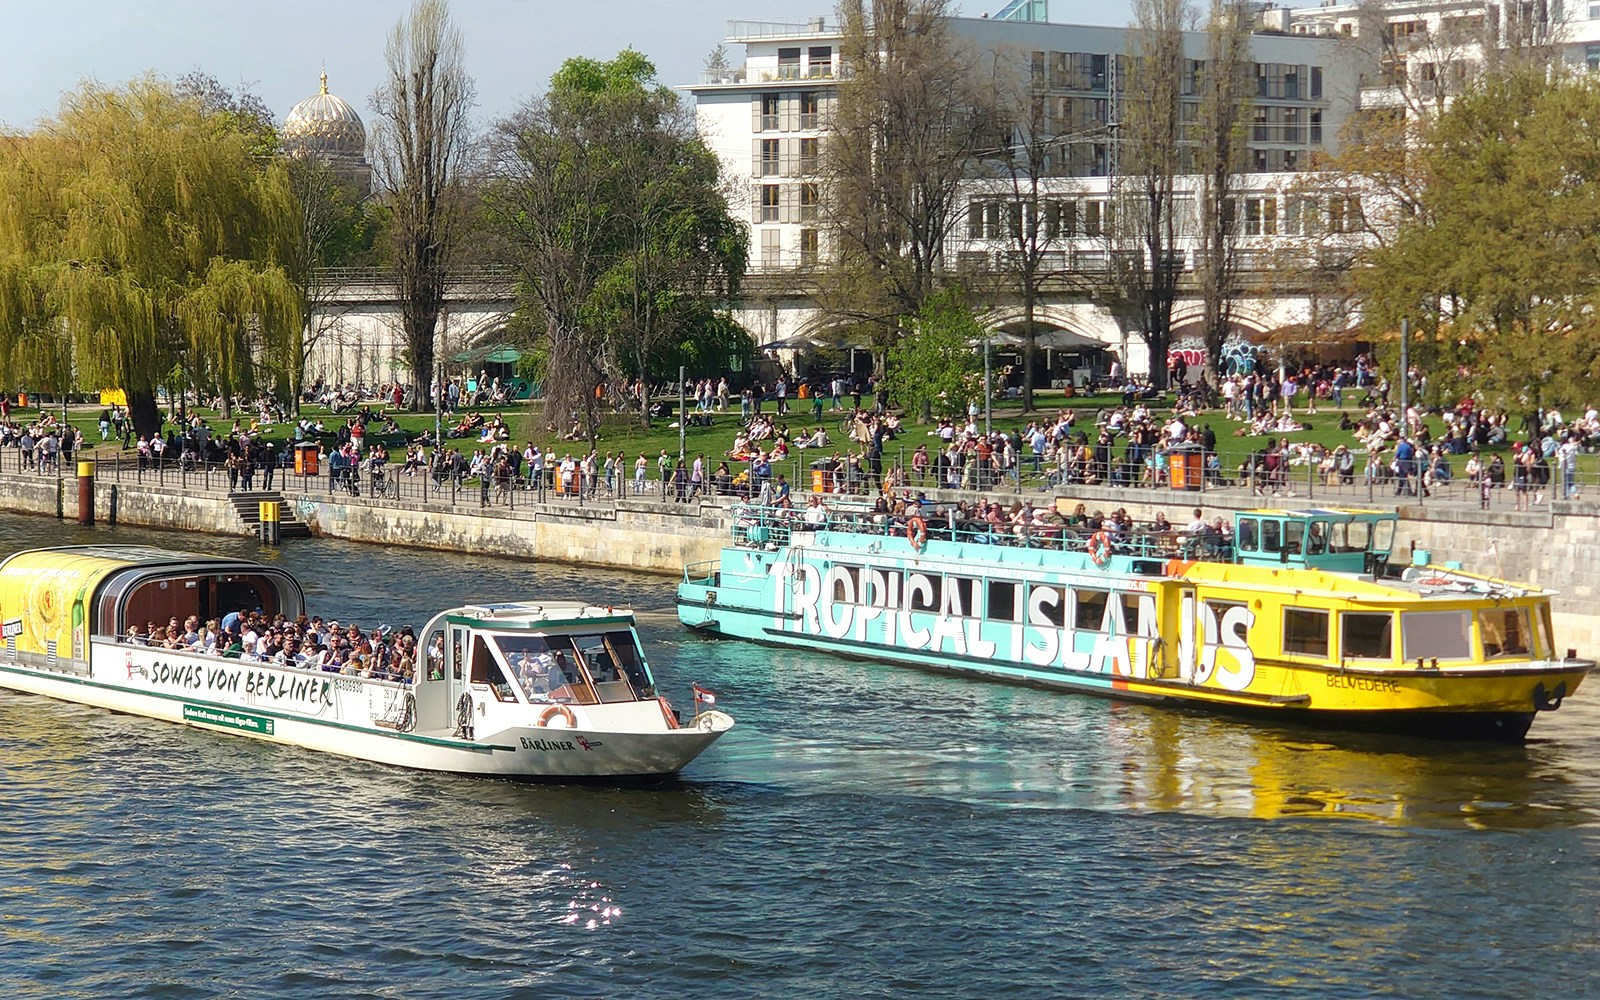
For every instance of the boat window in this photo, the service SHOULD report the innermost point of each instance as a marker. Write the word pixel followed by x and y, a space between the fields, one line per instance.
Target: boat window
pixel 435 656
pixel 486 671
pixel 875 588
pixel 928 592
pixel 963 596
pixel 1366 636
pixel 1383 535
pixel 600 655
pixel 1002 606
pixel 1349 536
pixel 1271 536
pixel 1091 609
pixel 1130 613
pixel 1316 538
pixel 1305 632
pixel 1248 534
pixel 1044 610
pixel 1505 632
pixel 846 584
pixel 546 667
pixel 1436 635
pixel 1547 633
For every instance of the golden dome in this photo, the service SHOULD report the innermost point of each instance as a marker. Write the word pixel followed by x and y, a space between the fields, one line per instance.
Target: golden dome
pixel 325 125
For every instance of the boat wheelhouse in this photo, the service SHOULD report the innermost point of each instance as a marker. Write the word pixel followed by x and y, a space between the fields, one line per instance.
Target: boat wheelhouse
pixel 1297 615
pixel 556 690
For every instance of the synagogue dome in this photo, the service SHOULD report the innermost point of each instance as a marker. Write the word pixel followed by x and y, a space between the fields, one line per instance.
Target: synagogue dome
pixel 326 126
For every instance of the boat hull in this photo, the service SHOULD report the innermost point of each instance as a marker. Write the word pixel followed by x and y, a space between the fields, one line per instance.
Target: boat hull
pixel 1479 705
pixel 524 753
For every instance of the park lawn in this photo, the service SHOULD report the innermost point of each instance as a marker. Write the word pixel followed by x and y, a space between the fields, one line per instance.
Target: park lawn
pixel 623 432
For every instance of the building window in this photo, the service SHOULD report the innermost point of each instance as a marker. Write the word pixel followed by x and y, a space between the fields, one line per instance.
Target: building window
pixel 1344 214
pixel 819 61
pixel 809 105
pixel 809 200
pixel 769 203
pixel 789 64
pixel 771 249
pixel 769 113
pixel 1316 127
pixel 810 155
pixel 808 246
pixel 1591 57
pixel 1302 217
pixel 769 158
pixel 1261 216
pixel 1316 82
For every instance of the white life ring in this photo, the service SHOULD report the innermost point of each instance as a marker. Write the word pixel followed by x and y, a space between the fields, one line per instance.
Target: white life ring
pixel 558 710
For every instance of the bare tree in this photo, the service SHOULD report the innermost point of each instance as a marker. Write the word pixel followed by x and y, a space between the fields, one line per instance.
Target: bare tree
pixel 421 144
pixel 1220 149
pixel 900 141
pixel 1147 263
pixel 329 231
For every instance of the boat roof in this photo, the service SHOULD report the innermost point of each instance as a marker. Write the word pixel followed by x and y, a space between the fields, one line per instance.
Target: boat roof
pixel 115 555
pixel 1432 582
pixel 525 614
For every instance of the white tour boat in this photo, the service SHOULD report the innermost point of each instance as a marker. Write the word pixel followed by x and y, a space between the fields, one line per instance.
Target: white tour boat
pixel 544 691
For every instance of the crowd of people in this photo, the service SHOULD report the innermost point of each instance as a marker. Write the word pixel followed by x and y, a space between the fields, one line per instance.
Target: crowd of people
pixel 306 643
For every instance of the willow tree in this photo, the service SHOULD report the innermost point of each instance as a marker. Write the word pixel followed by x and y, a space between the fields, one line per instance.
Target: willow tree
pixel 421 146
pixel 142 232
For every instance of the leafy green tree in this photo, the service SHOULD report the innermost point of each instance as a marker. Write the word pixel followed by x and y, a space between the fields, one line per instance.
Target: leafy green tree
pixel 1496 267
pixel 139 229
pixel 936 370
pixel 614 208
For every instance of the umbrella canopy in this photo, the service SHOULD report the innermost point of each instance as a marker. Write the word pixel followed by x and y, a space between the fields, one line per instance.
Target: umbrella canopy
pixel 493 354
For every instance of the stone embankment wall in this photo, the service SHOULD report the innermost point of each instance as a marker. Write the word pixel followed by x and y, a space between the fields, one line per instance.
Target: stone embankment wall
pixel 1558 549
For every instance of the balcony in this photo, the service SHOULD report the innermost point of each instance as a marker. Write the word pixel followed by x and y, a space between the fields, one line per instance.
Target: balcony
pixel 816 27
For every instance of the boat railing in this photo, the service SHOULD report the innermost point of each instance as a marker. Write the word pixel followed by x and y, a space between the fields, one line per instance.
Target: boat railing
pixel 755 526
pixel 702 572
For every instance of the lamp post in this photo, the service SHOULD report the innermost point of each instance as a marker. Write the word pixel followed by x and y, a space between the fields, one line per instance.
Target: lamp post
pixel 1405 368
pixel 988 389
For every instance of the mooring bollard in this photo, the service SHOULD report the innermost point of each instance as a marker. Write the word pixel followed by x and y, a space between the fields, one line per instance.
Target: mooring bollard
pixel 86 492
pixel 269 523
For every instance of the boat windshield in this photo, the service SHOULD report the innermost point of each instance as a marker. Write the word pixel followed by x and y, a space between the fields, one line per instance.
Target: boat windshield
pixel 546 668
pixel 614 662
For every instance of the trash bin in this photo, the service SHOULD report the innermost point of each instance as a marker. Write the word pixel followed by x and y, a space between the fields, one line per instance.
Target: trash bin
pixel 22 401
pixel 819 481
pixel 1186 468
pixel 305 459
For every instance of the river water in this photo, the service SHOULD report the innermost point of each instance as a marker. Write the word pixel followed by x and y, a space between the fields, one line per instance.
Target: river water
pixel 864 831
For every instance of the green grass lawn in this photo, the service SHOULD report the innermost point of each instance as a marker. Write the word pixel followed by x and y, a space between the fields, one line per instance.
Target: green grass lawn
pixel 622 432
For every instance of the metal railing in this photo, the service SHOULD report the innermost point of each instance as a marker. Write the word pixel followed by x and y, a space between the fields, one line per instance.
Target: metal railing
pixel 1235 476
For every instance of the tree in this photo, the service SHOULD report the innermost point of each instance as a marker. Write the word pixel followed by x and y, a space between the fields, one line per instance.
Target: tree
pixel 899 141
pixel 1146 263
pixel 614 208
pixel 421 146
pixel 1019 172
pixel 1497 268
pixel 1220 151
pixel 141 228
pixel 936 369
pixel 330 229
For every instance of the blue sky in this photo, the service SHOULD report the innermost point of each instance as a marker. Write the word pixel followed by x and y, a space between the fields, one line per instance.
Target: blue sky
pixel 279 46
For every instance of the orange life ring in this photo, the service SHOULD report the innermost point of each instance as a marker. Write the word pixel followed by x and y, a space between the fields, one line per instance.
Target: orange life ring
pixel 561 710
pixel 917 533
pixel 1099 549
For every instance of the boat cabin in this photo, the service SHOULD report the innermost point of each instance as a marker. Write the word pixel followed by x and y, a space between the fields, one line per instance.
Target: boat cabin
pixel 516 655
pixel 1341 541
pixel 52 601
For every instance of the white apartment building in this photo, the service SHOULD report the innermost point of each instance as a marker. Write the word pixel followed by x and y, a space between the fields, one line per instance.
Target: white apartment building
pixel 1415 51
pixel 765 115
